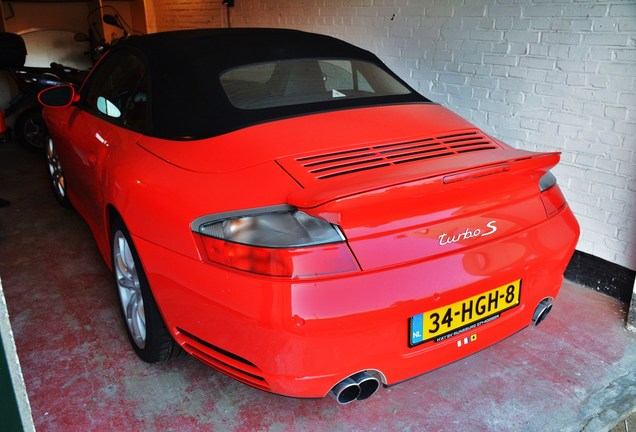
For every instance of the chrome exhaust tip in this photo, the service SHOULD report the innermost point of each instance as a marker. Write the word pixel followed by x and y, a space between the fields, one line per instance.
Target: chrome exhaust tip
pixel 542 310
pixel 346 391
pixel 368 384
pixel 359 386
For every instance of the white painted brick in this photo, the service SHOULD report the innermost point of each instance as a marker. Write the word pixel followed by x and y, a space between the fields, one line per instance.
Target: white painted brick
pixel 615 112
pixel 542 11
pixel 537 63
pixel 606 165
pixel 580 185
pixel 573 131
pixel 598 214
pixel 626 235
pixel 585 11
pixel 556 77
pixel 497 95
pixel 516 49
pixel 604 178
pixel 598 53
pixel 520 24
pixel 614 39
pixel 568 65
pixel 619 220
pixel 547 128
pixel 616 68
pixel 562 38
pixel 500 48
pixel 628 99
pixel 597 95
pixel 627 169
pixel 623 10
pixel 518 72
pixel 499 71
pixel 499 60
pixel 522 36
pixel 538 50
pixel 627 25
pixel 605 25
pixel 552 103
pixel 559 51
pixel 470 10
pixel 577 208
pixel 504 11
pixel 597 81
pixel 612 205
pixel 496 107
pixel 504 23
pixel 627 128
pixel 514 97
pixel 550 89
pixel 585 160
pixel 599 190
pixel 482 35
pixel 439 10
pixel 598 227
pixel 576 79
pixel 625 155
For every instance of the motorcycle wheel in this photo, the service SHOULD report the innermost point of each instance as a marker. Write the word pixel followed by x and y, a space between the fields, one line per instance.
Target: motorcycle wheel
pixel 30 130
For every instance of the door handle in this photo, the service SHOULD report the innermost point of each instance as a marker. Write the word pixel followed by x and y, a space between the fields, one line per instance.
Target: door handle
pixel 101 139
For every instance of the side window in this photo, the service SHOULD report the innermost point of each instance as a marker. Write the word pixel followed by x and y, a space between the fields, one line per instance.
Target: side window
pixel 118 91
pixel 136 108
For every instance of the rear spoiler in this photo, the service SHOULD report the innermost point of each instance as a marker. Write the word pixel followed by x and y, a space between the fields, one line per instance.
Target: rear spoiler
pixel 445 170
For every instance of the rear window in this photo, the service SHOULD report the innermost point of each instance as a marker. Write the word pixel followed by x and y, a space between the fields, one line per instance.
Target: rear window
pixel 305 81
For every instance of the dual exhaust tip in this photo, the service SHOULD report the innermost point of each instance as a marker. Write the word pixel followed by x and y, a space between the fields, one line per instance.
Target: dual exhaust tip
pixel 359 387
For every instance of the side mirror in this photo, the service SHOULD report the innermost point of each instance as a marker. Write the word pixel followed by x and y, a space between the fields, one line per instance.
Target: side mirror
pixel 58 97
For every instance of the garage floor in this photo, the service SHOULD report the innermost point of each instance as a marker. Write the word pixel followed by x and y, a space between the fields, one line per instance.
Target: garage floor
pixel 576 371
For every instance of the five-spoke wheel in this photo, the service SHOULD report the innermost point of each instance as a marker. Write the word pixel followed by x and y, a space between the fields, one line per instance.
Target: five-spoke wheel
pixel 129 289
pixel 146 330
pixel 56 175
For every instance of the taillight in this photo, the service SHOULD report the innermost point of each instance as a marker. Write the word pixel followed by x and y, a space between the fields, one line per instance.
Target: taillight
pixel 551 195
pixel 275 241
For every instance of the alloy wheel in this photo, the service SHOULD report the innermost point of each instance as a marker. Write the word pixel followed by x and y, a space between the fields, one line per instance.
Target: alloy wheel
pixel 129 289
pixel 55 171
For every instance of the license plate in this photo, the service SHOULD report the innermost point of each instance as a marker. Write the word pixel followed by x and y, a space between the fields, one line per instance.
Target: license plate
pixel 448 321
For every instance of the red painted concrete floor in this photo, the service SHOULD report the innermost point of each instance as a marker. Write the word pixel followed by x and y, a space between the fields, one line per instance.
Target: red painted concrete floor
pixel 576 371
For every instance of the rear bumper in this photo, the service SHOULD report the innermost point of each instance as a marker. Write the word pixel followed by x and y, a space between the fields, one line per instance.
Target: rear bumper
pixel 300 338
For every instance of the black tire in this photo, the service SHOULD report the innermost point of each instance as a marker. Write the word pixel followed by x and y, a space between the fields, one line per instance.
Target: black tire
pixel 30 130
pixel 144 325
pixel 56 175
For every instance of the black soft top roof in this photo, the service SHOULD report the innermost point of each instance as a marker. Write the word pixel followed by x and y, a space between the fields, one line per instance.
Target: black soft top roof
pixel 187 100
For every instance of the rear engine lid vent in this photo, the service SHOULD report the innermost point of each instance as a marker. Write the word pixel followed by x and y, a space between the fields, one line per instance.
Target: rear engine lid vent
pixel 324 166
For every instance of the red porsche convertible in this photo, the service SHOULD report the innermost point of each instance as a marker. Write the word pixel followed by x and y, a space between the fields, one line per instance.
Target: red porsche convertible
pixel 284 208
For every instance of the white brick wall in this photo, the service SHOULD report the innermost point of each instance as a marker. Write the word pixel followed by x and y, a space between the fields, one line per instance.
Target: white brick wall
pixel 541 75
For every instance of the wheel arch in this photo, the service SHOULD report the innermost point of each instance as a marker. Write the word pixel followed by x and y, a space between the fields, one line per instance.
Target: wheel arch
pixel 112 215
